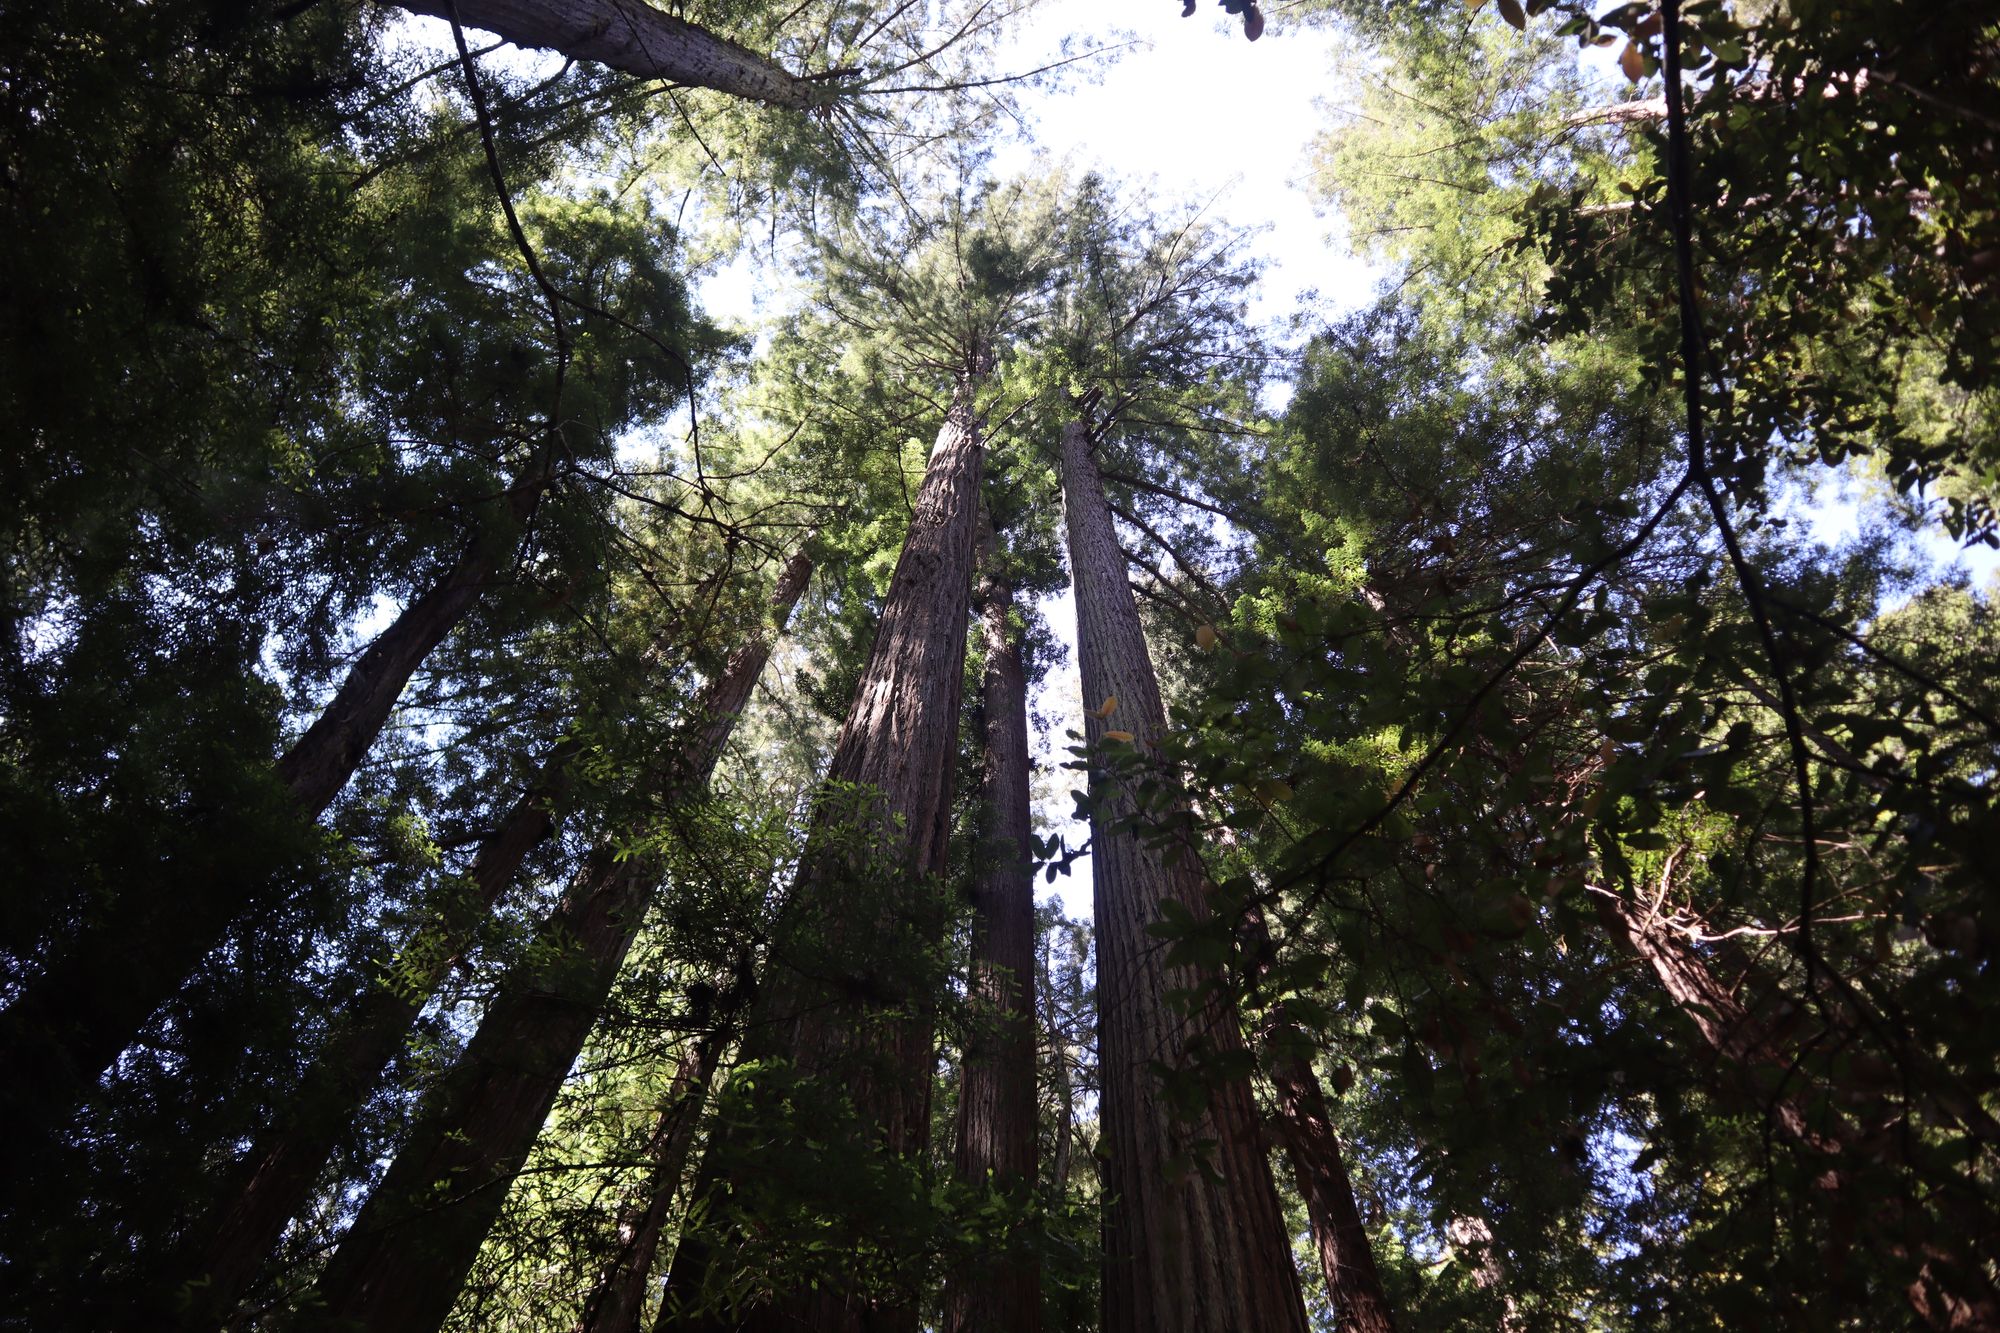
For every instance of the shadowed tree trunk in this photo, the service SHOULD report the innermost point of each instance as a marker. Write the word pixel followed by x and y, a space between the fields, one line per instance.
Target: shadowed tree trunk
pixel 70 1023
pixel 836 1005
pixel 1346 1258
pixel 274 1183
pixel 1190 1246
pixel 1748 1028
pixel 634 37
pixel 402 1264
pixel 996 1108
pixel 619 1296
pixel 1305 1127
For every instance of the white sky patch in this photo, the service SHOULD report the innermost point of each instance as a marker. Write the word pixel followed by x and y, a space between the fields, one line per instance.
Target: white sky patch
pixel 1201 116
pixel 1059 696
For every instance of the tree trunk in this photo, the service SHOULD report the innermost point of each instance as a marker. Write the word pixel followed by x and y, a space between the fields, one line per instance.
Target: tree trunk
pixel 619 1297
pixel 1948 1287
pixel 402 1264
pixel 635 38
pixel 320 762
pixel 836 1005
pixel 1346 1258
pixel 1191 1245
pixel 996 1109
pixel 1305 1128
pixel 70 1022
pixel 274 1183
pixel 1065 1096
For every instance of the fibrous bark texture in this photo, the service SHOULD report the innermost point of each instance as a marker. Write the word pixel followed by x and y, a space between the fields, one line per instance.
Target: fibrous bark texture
pixel 996 1107
pixel 633 37
pixel 402 1264
pixel 1190 1247
pixel 838 1004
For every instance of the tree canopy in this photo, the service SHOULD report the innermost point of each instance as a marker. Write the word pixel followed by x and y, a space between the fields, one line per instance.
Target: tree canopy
pixel 526 795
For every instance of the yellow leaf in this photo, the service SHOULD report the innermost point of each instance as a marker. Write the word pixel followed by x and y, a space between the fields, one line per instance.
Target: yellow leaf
pixel 1632 62
pixel 1273 790
pixel 1124 736
pixel 1206 636
pixel 1110 706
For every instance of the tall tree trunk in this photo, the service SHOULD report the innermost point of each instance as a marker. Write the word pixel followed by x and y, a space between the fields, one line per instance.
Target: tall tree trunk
pixel 402 1264
pixel 1190 1246
pixel 1305 1126
pixel 996 1107
pixel 1346 1258
pixel 634 37
pixel 834 1004
pixel 70 1022
pixel 274 1182
pixel 320 762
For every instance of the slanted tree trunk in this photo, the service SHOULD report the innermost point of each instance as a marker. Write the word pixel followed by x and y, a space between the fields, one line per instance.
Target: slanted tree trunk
pixel 1305 1127
pixel 1190 1246
pixel 996 1107
pixel 69 1023
pixel 402 1264
pixel 1346 1258
pixel 274 1182
pixel 618 1297
pixel 834 1004
pixel 634 37
pixel 1747 1029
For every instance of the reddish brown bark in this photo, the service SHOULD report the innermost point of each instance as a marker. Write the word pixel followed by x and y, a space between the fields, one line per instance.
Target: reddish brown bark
pixel 70 1022
pixel 835 1006
pixel 1190 1247
pixel 635 38
pixel 1305 1128
pixel 996 1107
pixel 1346 1258
pixel 403 1262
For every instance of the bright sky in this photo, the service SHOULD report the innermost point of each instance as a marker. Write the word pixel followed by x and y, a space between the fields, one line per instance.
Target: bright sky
pixel 1203 115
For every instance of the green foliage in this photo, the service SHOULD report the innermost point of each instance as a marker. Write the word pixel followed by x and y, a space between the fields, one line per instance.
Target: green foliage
pixel 1504 808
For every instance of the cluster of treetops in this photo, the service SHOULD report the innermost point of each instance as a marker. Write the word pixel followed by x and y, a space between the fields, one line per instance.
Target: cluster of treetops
pixel 519 801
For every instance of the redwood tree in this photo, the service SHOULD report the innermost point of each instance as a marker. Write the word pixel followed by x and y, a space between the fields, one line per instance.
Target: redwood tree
pixel 996 1093
pixel 828 1012
pixel 95 992
pixel 401 1265
pixel 1193 1236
